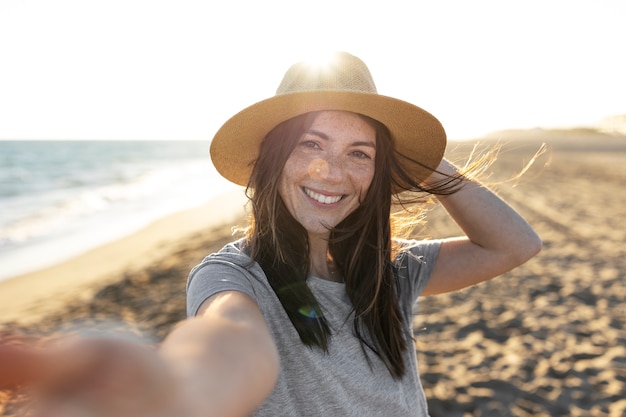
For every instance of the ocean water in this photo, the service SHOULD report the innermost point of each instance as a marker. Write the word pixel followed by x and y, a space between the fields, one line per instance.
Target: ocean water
pixel 61 198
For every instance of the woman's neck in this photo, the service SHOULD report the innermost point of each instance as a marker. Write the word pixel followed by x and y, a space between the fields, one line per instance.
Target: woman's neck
pixel 321 263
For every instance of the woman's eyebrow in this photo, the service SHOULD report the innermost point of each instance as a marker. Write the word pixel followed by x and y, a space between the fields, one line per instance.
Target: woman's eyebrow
pixel 363 143
pixel 324 136
pixel 321 135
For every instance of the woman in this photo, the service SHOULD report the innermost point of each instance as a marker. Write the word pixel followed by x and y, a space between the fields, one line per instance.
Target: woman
pixel 310 313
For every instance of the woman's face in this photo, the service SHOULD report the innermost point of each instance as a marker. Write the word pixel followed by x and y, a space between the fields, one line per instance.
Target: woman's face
pixel 329 171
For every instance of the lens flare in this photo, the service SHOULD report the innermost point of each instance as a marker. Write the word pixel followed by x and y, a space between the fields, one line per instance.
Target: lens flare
pixel 318 169
pixel 310 312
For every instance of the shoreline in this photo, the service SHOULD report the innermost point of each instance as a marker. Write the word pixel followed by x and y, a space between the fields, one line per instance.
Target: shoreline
pixel 28 297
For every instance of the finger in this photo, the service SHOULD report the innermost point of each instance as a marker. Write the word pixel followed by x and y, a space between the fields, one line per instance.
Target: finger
pixel 21 366
pixel 26 360
pixel 107 374
pixel 71 364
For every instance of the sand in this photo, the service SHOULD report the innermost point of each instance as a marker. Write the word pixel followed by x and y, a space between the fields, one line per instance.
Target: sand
pixel 29 297
pixel 548 339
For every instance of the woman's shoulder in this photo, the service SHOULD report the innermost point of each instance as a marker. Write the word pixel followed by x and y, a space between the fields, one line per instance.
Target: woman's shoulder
pixel 414 264
pixel 416 258
pixel 417 249
pixel 231 253
pixel 236 248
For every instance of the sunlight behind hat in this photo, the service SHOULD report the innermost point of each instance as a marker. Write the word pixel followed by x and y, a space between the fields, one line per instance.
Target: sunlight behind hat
pixel 320 60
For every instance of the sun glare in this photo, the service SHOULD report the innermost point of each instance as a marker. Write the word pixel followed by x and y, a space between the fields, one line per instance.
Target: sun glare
pixel 320 59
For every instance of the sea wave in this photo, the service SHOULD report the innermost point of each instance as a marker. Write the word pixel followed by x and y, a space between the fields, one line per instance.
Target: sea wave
pixel 57 216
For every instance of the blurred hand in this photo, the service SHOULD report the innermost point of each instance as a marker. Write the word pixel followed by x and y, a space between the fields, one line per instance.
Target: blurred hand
pixel 99 377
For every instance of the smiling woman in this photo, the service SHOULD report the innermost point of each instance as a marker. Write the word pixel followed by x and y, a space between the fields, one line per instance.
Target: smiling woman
pixel 342 147
pixel 319 292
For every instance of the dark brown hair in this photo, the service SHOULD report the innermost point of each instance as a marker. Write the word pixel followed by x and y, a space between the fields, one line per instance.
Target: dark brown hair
pixel 360 245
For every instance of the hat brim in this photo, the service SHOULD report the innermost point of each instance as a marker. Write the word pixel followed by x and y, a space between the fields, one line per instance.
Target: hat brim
pixel 415 132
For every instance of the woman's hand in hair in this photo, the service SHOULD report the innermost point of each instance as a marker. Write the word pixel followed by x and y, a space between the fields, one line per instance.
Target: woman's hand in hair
pixel 497 239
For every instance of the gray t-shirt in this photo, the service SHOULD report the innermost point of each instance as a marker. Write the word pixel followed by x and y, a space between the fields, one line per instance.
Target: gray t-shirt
pixel 312 382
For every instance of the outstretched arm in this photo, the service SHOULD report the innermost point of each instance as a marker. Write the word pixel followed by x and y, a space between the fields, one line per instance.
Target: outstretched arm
pixel 497 239
pixel 224 359
pixel 221 363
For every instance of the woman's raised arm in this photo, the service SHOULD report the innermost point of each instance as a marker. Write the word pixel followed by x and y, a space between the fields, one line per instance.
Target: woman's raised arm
pixel 497 239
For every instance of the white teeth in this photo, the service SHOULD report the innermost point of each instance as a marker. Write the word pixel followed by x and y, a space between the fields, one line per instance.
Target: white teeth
pixel 321 198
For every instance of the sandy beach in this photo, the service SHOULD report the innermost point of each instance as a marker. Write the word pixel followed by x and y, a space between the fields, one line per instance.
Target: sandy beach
pixel 29 297
pixel 548 339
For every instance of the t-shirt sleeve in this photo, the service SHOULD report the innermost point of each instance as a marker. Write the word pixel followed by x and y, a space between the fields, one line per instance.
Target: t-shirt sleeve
pixel 415 266
pixel 213 276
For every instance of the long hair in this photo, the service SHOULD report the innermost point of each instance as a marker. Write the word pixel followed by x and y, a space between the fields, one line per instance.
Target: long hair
pixel 277 241
pixel 360 245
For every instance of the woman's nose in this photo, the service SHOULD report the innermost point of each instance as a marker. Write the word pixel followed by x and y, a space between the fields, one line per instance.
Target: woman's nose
pixel 325 169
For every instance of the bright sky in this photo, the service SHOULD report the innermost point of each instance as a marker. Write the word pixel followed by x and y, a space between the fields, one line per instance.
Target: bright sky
pixel 177 69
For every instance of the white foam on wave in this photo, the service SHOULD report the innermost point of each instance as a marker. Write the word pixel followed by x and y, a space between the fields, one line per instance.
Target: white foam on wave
pixel 42 230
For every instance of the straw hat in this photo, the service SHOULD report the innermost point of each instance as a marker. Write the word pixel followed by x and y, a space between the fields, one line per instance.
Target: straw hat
pixel 343 84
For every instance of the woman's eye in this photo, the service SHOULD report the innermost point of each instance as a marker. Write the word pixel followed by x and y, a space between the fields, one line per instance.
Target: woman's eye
pixel 361 155
pixel 309 144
